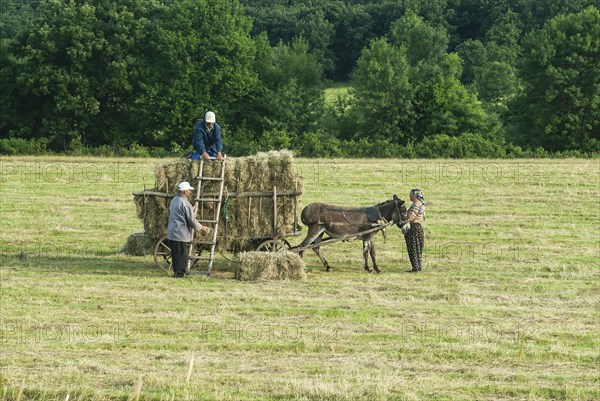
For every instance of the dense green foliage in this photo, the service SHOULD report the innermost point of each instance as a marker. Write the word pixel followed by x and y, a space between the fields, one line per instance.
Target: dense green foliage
pixel 560 104
pixel 137 74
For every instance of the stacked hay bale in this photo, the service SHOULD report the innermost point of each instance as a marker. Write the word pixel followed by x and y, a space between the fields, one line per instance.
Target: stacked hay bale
pixel 252 216
pixel 249 211
pixel 254 266
pixel 154 212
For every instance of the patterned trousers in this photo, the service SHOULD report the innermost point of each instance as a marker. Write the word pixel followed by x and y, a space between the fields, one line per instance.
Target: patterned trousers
pixel 415 242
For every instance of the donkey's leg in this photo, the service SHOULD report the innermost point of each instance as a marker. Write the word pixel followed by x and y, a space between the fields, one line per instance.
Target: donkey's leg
pixel 312 234
pixel 372 249
pixel 317 250
pixel 366 246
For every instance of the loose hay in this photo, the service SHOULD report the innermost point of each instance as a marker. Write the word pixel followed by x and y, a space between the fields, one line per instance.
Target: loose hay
pixel 248 217
pixel 255 266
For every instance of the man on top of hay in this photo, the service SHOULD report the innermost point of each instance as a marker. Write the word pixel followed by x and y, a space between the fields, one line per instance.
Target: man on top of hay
pixel 207 139
pixel 182 220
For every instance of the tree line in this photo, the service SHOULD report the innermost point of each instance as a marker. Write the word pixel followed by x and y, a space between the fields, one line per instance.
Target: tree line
pixel 445 78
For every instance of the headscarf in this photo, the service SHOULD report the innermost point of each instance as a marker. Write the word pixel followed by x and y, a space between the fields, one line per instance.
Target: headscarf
pixel 416 192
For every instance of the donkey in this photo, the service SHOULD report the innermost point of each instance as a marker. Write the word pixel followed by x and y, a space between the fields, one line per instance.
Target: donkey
pixel 341 222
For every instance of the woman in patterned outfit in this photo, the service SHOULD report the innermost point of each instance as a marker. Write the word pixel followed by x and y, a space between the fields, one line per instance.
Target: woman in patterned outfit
pixel 415 238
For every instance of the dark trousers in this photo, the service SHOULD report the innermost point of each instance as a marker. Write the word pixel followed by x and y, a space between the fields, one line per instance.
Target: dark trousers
pixel 415 242
pixel 179 256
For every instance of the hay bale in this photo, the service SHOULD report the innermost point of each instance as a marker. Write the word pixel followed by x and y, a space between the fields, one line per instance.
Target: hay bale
pixel 252 217
pixel 154 212
pixel 255 266
pixel 245 174
pixel 169 175
pixel 138 244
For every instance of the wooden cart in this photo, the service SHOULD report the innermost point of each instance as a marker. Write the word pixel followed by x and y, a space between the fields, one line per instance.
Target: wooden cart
pixel 273 209
pixel 272 243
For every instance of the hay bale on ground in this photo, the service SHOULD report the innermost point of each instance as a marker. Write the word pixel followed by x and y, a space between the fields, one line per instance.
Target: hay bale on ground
pixel 255 266
pixel 138 244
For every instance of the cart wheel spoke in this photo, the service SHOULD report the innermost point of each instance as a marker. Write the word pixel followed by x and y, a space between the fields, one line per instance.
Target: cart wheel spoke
pixel 274 245
pixel 162 255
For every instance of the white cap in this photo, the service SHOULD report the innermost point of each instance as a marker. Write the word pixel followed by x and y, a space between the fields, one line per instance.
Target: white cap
pixel 184 186
pixel 209 117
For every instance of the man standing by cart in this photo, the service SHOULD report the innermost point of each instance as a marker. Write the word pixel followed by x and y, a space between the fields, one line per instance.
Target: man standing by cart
pixel 207 139
pixel 182 222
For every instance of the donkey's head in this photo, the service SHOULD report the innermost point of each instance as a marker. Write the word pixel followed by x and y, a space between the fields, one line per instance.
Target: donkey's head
pixel 394 210
pixel 402 211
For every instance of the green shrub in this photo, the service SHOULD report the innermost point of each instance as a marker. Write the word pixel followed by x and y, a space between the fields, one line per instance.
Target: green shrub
pixel 20 146
pixel 313 144
pixel 275 139
pixel 381 148
pixel 240 143
pixel 466 145
pixel 318 144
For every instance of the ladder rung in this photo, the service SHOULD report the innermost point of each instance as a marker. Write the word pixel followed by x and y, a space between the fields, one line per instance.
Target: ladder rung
pixel 208 199
pixel 205 242
pixel 199 257
pixel 210 179
pixel 208 221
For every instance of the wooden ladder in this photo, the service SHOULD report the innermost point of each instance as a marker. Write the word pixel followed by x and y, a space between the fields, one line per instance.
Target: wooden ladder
pixel 200 199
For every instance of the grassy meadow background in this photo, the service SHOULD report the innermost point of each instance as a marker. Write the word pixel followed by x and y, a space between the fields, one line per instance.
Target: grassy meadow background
pixel 506 307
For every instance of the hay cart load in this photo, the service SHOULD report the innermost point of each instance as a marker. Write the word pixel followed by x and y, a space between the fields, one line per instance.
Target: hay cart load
pixel 252 202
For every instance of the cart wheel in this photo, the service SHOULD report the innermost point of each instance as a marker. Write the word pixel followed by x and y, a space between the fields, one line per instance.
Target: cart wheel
pixel 274 245
pixel 162 255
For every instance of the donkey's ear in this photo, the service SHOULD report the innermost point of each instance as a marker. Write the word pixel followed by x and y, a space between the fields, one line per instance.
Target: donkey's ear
pixel 395 197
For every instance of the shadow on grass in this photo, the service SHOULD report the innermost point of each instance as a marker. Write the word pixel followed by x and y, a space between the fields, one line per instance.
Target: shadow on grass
pixel 107 264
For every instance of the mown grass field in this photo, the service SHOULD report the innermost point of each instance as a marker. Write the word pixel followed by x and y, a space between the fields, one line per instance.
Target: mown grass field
pixel 506 308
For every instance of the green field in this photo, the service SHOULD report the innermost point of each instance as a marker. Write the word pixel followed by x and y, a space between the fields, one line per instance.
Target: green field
pixel 334 92
pixel 506 308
